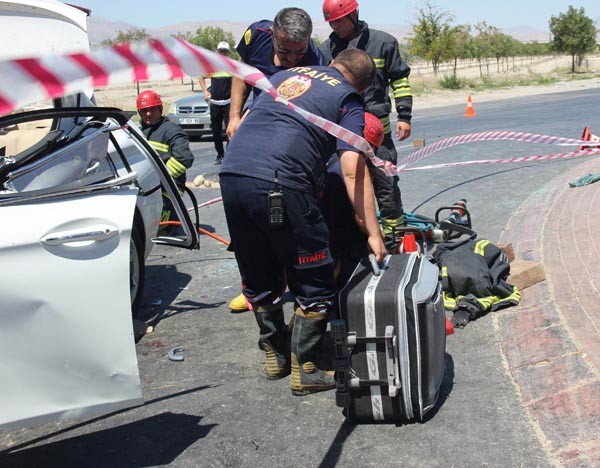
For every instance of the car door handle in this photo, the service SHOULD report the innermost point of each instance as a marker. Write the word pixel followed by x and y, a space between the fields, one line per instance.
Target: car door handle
pixel 91 233
pixel 93 166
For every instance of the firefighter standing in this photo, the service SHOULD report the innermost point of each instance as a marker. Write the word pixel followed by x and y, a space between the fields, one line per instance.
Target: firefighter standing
pixel 219 99
pixel 169 141
pixel 271 46
pixel 271 201
pixel 392 72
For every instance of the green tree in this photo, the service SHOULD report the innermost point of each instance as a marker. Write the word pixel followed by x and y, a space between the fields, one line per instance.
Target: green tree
pixel 131 35
pixel 209 36
pixel 502 47
pixel 461 45
pixel 432 36
pixel 482 45
pixel 574 34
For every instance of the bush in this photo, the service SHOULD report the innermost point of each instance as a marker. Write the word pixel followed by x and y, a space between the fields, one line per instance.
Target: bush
pixel 451 82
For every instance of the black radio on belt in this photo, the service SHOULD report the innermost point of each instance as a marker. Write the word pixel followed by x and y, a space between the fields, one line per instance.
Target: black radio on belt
pixel 275 204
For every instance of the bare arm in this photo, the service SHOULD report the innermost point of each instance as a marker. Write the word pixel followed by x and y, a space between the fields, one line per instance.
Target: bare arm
pixel 360 191
pixel 240 91
pixel 205 91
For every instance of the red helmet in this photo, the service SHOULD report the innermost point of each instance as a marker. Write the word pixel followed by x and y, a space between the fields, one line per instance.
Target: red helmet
pixel 148 99
pixel 373 130
pixel 336 9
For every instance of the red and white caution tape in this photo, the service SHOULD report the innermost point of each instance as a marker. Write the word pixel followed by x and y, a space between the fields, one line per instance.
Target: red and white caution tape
pixel 25 81
pixel 517 159
pixel 492 136
pixel 214 201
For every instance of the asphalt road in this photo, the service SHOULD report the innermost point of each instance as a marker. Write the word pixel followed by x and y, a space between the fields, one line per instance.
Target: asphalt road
pixel 215 408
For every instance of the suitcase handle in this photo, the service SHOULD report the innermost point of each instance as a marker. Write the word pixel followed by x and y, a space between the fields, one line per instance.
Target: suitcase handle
pixel 374 265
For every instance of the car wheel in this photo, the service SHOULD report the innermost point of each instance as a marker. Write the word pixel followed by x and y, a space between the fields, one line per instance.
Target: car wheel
pixel 136 269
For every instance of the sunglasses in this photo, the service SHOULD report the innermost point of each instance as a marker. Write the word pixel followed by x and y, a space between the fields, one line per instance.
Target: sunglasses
pixel 282 51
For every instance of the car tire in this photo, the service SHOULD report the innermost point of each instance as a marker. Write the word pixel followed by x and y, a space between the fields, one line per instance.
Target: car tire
pixel 136 270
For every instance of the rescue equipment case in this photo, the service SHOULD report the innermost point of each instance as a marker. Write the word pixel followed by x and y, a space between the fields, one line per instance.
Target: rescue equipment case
pixel 390 342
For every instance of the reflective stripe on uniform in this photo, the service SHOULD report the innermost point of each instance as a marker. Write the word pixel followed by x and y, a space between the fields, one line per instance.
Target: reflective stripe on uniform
pixel 401 88
pixel 385 121
pixel 449 301
pixel 175 168
pixel 480 246
pixel 379 62
pixel 158 146
pixel 491 301
pixel 221 74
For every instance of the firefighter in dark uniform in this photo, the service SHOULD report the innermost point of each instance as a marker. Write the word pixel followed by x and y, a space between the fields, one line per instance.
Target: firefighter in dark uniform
pixel 169 141
pixel 271 46
pixel 271 180
pixel 347 242
pixel 392 72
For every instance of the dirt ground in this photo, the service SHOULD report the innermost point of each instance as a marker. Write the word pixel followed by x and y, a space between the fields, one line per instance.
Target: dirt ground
pixel 124 96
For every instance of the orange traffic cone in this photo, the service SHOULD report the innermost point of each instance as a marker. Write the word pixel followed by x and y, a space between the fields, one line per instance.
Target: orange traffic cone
pixel 470 112
pixel 449 327
pixel 588 136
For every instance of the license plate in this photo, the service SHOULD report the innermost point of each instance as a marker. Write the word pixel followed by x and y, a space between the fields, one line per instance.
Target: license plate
pixel 189 121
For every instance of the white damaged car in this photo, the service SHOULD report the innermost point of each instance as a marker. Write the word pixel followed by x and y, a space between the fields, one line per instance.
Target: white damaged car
pixel 80 203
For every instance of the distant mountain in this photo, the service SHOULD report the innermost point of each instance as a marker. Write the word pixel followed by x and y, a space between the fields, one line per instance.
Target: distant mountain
pixel 100 28
pixel 526 33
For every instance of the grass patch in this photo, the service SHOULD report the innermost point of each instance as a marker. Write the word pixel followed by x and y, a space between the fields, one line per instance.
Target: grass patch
pixel 422 85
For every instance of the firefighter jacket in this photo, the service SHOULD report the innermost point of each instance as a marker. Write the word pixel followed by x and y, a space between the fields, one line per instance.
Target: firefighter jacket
pixel 275 138
pixel 392 71
pixel 474 274
pixel 173 146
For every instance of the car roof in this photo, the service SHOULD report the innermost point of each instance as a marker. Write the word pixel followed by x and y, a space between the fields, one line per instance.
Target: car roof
pixel 30 28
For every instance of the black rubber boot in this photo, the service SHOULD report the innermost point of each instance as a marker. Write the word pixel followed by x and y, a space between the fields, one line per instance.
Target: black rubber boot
pixel 274 341
pixel 307 336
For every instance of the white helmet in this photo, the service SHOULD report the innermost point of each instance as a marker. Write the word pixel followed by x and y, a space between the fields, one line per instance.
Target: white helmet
pixel 223 46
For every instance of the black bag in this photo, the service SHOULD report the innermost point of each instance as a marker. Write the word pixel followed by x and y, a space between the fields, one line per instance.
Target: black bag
pixel 390 341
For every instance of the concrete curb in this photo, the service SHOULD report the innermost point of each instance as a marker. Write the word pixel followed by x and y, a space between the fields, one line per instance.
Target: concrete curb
pixel 552 364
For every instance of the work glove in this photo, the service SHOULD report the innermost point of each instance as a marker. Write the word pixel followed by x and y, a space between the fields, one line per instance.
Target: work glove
pixel 460 318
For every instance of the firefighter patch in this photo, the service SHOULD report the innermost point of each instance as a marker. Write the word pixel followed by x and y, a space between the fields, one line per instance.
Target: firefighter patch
pixel 313 259
pixel 294 87
pixel 247 36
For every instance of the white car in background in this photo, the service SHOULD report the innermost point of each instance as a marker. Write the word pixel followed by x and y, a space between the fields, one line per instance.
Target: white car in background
pixel 80 203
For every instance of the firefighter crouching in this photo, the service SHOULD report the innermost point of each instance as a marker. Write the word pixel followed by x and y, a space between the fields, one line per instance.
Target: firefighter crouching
pixel 347 241
pixel 169 141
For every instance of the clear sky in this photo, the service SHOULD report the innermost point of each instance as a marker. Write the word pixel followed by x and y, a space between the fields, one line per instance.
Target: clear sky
pixel 502 14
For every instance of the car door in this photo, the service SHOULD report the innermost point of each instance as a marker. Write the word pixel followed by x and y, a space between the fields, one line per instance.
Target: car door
pixel 66 340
